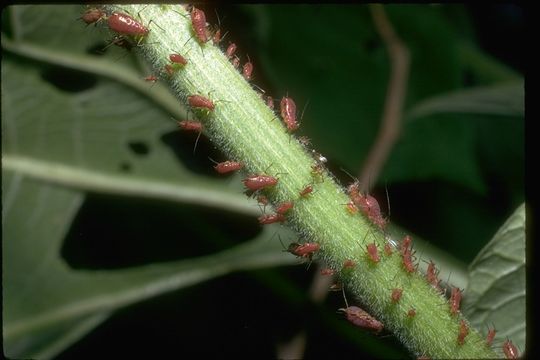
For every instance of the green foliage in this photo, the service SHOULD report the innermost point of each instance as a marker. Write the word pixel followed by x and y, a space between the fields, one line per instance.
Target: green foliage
pixel 60 143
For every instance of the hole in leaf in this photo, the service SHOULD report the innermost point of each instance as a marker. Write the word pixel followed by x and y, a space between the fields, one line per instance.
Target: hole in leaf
pixel 139 148
pixel 114 232
pixel 68 80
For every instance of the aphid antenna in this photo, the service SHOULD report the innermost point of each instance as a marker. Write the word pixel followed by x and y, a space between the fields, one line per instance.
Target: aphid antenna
pixel 212 160
pixel 259 88
pixel 303 110
pixel 355 179
pixel 196 142
pixel 344 297
pixel 387 198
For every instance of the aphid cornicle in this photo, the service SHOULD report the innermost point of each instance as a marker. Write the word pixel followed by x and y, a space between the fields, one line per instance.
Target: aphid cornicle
pixel 258 182
pixel 126 25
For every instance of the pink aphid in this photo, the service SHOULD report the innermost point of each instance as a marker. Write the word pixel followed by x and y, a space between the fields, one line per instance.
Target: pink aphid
pixel 396 295
pixel 270 102
pixel 228 166
pixel 306 191
pixel 288 113
pixel 431 275
pixel 406 245
pixel 490 336
pixel 284 207
pixel 178 59
pixel 271 219
pixel 198 22
pixel 305 250
pixel 510 350
pixel 351 208
pixel 190 125
pixel 362 319
pixel 258 182
pixel 463 332
pixel 348 264
pixel 126 25
pixel 367 204
pixel 92 16
pixel 327 272
pixel 231 49
pixel 151 78
pixel 411 313
pixel 247 70
pixel 200 102
pixel 388 249
pixel 455 300
pixel 236 62
pixel 216 39
pixel 169 69
pixel 263 200
pixel 373 252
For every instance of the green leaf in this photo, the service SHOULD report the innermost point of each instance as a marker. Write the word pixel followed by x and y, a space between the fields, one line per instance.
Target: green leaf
pixel 504 100
pixel 496 291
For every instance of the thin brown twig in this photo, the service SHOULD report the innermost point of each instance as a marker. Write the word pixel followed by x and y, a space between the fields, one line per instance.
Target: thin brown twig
pixel 395 96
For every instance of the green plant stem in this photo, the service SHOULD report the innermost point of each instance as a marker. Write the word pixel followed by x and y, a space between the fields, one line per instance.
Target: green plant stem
pixel 248 131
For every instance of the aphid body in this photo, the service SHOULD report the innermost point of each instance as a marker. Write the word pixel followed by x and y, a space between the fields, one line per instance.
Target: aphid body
pixel 455 300
pixel 510 350
pixel 288 113
pixel 490 336
pixel 200 102
pixel 247 70
pixel 396 295
pixel 271 218
pixel 190 125
pixel 284 207
pixel 126 25
pixel 231 49
pixel 463 332
pixel 178 59
pixel 228 166
pixel 258 182
pixel 92 16
pixel 362 319
pixel 373 252
pixel 304 250
pixel 198 22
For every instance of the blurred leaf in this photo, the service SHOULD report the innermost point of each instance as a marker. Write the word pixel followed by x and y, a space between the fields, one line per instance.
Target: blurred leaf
pixel 507 99
pixel 44 299
pixel 496 291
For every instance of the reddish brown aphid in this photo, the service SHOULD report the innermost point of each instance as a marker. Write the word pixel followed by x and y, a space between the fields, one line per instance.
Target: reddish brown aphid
pixel 263 200
pixel 455 300
pixel 351 208
pixel 348 264
pixel 169 69
pixel 200 102
pixel 178 59
pixel 258 182
pixel 151 78
pixel 190 125
pixel 362 319
pixel 396 295
pixel 92 16
pixel 388 249
pixel 284 207
pixel 408 263
pixel 216 39
pixel 411 313
pixel 228 166
pixel 126 25
pixel 270 102
pixel 367 204
pixel 305 250
pixel 198 22
pixel 406 245
pixel 271 219
pixel 236 62
pixel 463 332
pixel 490 336
pixel 247 70
pixel 231 49
pixel 373 252
pixel 327 272
pixel 510 350
pixel 288 113
pixel 431 275
pixel 306 191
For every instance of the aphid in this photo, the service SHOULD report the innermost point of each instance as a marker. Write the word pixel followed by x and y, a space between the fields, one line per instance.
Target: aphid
pixel 169 69
pixel 362 319
pixel 455 300
pixel 231 49
pixel 396 295
pixel 373 252
pixel 327 272
pixel 236 62
pixel 288 113
pixel 263 200
pixel 92 16
pixel 304 140
pixel 463 332
pixel 198 22
pixel 151 78
pixel 284 207
pixel 178 59
pixel 388 249
pixel 411 313
pixel 271 218
pixel 270 102
pixel 126 25
pixel 367 204
pixel 510 350
pixel 247 70
pixel 351 208
pixel 406 245
pixel 228 166
pixel 305 250
pixel 306 191
pixel 408 264
pixel 190 125
pixel 258 182
pixel 198 101
pixel 348 264
pixel 431 275
pixel 490 336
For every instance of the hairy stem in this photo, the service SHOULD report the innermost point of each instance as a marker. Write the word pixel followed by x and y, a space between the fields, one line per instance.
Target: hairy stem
pixel 248 131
